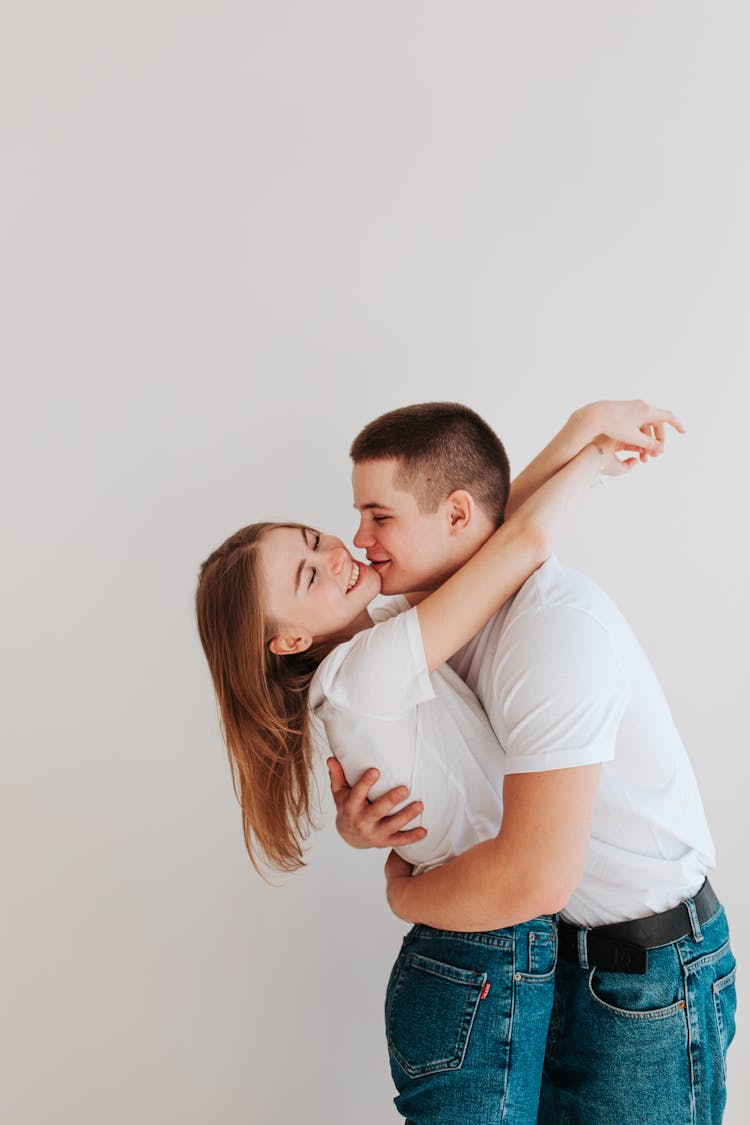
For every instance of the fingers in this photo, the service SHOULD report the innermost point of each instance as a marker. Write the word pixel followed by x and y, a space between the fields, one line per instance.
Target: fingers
pixel 354 797
pixel 649 443
pixel 363 823
pixel 668 418
pixel 343 794
pixel 655 429
pixel 398 839
pixel 618 467
pixel 658 420
pixel 336 774
pixel 383 805
pixel 359 792
pixel 385 830
pixel 402 817
pixel 637 428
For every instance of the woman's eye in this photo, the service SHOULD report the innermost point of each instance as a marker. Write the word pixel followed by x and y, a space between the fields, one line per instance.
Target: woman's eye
pixel 316 544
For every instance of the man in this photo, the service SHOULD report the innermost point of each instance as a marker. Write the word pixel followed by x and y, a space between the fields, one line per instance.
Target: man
pixel 598 792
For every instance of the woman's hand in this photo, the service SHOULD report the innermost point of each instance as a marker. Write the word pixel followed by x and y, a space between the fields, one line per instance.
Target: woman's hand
pixel 631 427
pixel 635 426
pixel 611 464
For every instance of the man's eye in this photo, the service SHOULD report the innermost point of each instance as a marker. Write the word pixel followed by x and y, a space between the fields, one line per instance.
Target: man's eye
pixel 312 577
pixel 317 541
pixel 380 519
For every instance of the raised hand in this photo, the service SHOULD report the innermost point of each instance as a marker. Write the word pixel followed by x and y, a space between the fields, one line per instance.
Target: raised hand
pixel 631 427
pixel 635 425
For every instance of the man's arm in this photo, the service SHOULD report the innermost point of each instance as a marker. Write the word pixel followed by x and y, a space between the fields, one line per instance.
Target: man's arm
pixel 558 707
pixel 532 867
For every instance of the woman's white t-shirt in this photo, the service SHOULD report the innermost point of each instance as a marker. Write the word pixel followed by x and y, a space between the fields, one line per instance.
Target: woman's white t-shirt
pixel 376 704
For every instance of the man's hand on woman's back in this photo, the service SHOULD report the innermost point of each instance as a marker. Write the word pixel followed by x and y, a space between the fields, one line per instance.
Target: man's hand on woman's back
pixel 370 824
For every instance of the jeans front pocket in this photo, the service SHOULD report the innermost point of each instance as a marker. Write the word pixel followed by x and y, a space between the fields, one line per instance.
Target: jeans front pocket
pixel 725 1005
pixel 649 996
pixel 430 1010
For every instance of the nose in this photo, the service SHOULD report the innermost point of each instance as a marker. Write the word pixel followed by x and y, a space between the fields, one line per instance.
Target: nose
pixel 338 558
pixel 363 539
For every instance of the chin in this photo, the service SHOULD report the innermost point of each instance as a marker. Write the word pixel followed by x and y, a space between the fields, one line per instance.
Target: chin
pixel 392 585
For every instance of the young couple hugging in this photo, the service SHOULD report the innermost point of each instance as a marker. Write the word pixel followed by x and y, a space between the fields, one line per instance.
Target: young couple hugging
pixel 570 962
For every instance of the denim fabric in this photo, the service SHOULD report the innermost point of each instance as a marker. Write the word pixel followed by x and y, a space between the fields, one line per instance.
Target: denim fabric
pixel 643 1049
pixel 466 1021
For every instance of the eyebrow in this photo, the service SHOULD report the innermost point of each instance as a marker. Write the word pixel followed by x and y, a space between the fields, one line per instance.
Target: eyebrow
pixel 301 567
pixel 366 507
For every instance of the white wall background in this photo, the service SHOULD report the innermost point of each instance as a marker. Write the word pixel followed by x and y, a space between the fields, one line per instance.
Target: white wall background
pixel 230 234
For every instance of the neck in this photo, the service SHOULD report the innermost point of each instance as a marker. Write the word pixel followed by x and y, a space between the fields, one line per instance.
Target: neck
pixel 363 621
pixel 469 544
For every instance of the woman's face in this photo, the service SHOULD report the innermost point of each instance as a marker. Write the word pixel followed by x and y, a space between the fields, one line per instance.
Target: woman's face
pixel 314 588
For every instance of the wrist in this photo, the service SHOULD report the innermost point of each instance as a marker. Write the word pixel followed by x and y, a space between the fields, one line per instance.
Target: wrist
pixel 585 423
pixel 597 459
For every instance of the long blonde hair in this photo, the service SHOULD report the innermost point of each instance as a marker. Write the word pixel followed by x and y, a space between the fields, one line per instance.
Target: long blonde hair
pixel 263 701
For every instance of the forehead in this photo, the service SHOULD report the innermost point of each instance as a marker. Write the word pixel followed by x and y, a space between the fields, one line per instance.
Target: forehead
pixel 373 485
pixel 281 549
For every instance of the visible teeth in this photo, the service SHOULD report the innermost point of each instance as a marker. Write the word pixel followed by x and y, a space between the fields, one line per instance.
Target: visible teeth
pixel 354 577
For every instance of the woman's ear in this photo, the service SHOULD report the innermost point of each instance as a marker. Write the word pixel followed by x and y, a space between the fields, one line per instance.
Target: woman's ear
pixel 286 644
pixel 460 510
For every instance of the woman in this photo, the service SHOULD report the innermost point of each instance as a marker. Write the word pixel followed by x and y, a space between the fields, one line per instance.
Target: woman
pixel 282 612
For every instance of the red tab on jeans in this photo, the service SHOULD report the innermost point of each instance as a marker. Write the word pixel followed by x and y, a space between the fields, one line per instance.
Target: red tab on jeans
pixel 485 990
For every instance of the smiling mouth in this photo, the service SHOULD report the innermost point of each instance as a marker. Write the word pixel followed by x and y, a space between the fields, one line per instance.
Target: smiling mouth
pixel 353 577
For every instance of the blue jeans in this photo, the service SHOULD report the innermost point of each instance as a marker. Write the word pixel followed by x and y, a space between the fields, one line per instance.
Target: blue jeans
pixel 466 1021
pixel 643 1049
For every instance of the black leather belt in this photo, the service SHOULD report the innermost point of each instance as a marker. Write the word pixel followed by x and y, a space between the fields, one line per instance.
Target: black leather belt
pixel 623 946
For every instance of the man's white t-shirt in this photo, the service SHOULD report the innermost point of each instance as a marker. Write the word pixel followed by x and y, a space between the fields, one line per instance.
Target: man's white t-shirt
pixel 379 706
pixel 565 683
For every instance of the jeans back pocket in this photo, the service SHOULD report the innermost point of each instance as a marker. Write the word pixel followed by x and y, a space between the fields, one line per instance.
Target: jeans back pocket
pixel 430 1010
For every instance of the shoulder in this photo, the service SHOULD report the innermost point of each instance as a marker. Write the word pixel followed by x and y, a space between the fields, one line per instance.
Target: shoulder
pixel 559 639
pixel 556 585
pixel 383 607
pixel 556 598
pixel 380 672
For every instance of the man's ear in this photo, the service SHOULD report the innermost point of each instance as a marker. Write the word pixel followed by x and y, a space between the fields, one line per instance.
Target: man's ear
pixel 286 644
pixel 460 507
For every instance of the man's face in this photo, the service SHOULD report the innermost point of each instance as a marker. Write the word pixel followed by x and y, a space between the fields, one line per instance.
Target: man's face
pixel 410 550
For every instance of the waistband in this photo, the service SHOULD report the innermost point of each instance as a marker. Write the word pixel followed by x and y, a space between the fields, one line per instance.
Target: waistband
pixel 502 937
pixel 623 946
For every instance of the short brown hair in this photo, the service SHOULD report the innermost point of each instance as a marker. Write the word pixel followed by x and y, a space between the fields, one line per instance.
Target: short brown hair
pixel 442 446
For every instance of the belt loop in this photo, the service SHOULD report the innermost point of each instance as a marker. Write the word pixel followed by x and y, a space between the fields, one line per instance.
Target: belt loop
pixel 695 925
pixel 583 954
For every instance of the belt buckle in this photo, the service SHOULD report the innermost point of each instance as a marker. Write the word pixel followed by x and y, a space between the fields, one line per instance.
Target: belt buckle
pixel 616 955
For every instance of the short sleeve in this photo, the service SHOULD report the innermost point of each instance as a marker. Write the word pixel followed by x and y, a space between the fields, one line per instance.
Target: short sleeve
pixel 561 692
pixel 381 673
pixel 384 607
